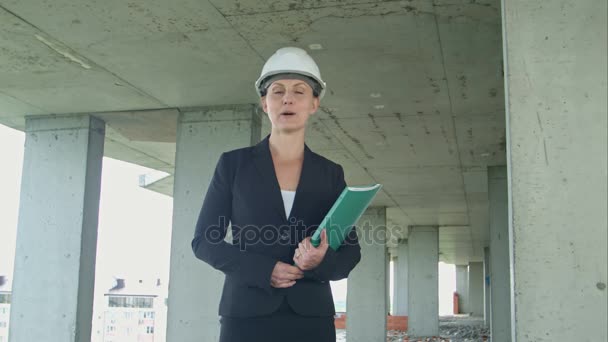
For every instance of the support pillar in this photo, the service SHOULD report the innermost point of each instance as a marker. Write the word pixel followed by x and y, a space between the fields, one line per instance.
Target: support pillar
pixel 476 302
pixel 487 297
pixel 366 306
pixel 555 87
pixel 54 272
pixel 400 299
pixel 194 286
pixel 462 287
pixel 387 281
pixel 423 279
pixel 499 263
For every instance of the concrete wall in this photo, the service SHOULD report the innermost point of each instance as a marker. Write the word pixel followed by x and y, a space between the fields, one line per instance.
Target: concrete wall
pixel 401 287
pixel 487 290
pixel 423 279
pixel 476 300
pixel 367 305
pixel 462 287
pixel 56 248
pixel 499 262
pixel 556 66
pixel 194 286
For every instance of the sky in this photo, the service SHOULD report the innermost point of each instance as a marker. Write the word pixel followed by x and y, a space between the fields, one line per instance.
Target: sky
pixel 134 230
pixel 11 160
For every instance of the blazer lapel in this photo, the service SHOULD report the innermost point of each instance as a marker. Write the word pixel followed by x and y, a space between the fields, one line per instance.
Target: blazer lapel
pixel 263 162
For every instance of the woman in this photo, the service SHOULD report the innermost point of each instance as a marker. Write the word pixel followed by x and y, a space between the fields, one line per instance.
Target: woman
pixel 274 195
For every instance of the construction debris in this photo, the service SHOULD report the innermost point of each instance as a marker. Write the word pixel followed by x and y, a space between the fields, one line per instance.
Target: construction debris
pixel 460 328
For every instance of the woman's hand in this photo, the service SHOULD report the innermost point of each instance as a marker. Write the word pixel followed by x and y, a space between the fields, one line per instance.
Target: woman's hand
pixel 285 275
pixel 307 257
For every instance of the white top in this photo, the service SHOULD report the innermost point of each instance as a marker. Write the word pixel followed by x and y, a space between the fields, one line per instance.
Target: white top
pixel 288 197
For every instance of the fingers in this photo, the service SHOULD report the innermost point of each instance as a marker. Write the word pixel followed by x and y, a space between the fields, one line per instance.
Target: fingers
pixel 282 285
pixel 285 275
pixel 291 270
pixel 307 256
pixel 282 281
pixel 307 243
pixel 324 241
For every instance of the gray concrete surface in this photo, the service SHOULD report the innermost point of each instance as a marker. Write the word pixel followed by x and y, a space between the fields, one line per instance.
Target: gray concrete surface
pixel 423 280
pixel 400 295
pixel 499 262
pixel 194 286
pixel 555 54
pixel 462 287
pixel 415 102
pixel 487 289
pixel 414 87
pixel 54 273
pixel 366 304
pixel 476 301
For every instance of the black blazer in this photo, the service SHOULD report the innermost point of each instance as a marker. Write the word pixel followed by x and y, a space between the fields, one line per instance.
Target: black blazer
pixel 244 192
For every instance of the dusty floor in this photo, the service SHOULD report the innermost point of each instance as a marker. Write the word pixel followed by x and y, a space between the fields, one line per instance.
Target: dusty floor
pixel 459 328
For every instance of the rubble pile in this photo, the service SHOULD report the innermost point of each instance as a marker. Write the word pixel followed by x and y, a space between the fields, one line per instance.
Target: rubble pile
pixel 459 328
pixel 463 329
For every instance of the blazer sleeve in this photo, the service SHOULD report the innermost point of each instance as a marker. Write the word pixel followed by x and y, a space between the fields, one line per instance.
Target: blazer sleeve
pixel 337 265
pixel 208 243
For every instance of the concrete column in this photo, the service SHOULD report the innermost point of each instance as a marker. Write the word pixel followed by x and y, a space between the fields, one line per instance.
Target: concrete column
pixel 555 70
pixel 387 281
pixel 462 287
pixel 423 280
pixel 499 263
pixel 366 304
pixel 476 302
pixel 201 138
pixel 487 312
pixel 54 273
pixel 400 299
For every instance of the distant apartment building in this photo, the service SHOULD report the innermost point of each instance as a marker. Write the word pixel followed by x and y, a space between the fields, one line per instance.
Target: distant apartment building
pixel 5 307
pixel 132 312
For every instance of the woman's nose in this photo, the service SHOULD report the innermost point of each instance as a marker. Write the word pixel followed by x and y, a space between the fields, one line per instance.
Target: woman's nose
pixel 287 98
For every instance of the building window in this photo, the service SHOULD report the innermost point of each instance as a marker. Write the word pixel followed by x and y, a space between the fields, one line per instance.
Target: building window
pixel 149 330
pixel 130 302
pixel 5 298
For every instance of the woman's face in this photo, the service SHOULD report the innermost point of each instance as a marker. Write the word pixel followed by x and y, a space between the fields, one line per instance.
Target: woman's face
pixel 289 104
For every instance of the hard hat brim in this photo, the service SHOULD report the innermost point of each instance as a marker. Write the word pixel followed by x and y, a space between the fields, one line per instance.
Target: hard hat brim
pixel 263 77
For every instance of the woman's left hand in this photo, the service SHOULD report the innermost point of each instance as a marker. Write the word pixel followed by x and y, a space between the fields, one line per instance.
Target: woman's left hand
pixel 307 256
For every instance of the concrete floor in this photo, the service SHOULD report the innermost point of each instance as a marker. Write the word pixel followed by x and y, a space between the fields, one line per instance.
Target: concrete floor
pixel 459 328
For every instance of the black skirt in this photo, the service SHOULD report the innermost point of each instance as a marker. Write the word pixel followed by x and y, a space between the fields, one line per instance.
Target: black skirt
pixel 280 326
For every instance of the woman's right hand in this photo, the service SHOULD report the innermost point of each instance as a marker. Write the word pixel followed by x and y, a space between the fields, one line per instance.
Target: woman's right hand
pixel 285 275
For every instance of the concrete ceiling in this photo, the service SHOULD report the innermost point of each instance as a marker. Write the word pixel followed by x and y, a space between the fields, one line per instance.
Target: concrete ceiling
pixel 415 88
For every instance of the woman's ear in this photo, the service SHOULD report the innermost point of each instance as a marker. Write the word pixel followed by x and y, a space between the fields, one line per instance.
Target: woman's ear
pixel 263 104
pixel 315 104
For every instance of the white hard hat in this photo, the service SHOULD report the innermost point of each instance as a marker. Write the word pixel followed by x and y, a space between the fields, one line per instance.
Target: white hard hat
pixel 290 60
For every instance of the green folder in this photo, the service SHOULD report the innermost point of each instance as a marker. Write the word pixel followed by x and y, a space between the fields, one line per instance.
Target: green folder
pixel 345 212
